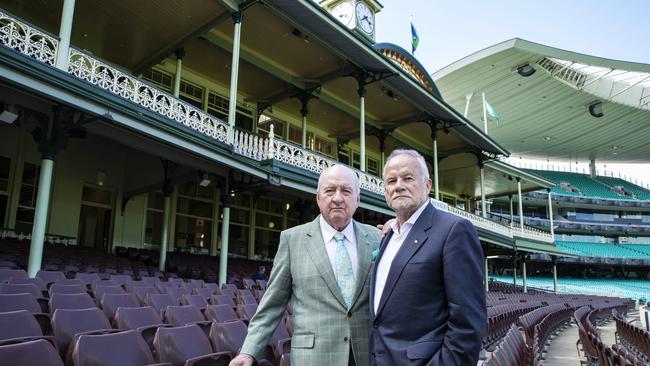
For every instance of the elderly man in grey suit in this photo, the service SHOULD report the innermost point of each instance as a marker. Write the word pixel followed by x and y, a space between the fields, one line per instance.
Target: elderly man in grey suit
pixel 322 268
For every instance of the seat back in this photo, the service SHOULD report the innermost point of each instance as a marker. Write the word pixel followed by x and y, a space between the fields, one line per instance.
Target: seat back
pixel 68 322
pixel 50 276
pixel 87 278
pixel 20 288
pixel 36 281
pixel 111 302
pixel 228 336
pixel 178 344
pixel 133 318
pixel 182 315
pixel 223 300
pixel 194 300
pixel 18 324
pixel 71 301
pixel 120 279
pixel 8 273
pixel 220 313
pixel 142 292
pixel 247 311
pixel 23 301
pixel 123 348
pixel 69 281
pixel 101 290
pixel 38 352
pixel 160 301
pixel 56 288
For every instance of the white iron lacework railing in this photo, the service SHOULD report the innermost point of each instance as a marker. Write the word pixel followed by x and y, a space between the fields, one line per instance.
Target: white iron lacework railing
pixel 533 234
pixel 482 222
pixel 27 40
pixel 131 88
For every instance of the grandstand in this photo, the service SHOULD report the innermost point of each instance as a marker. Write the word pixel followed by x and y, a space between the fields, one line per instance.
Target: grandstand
pixel 146 173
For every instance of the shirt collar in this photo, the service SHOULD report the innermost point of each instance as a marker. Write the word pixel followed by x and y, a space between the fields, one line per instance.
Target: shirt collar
pixel 328 231
pixel 411 221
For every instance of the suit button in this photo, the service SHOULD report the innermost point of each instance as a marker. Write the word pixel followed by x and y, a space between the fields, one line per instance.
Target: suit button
pixel 346 339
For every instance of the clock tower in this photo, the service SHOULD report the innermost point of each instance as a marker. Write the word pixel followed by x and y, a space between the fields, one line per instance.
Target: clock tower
pixel 358 15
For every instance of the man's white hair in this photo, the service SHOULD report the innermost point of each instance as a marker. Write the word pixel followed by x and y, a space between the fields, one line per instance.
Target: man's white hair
pixel 424 170
pixel 355 180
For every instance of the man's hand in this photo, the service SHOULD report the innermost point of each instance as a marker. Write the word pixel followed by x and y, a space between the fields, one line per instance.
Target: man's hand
pixel 385 228
pixel 242 359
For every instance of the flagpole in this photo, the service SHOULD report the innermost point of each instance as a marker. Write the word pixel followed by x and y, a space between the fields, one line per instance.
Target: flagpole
pixel 484 116
pixel 468 97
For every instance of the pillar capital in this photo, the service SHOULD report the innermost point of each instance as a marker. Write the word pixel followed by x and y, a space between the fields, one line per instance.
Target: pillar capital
pixel 180 53
pixel 238 16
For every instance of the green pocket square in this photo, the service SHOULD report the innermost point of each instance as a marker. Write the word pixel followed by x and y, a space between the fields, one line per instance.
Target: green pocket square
pixel 374 255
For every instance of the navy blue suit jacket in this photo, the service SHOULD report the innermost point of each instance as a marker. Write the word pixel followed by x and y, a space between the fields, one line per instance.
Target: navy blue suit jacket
pixel 432 309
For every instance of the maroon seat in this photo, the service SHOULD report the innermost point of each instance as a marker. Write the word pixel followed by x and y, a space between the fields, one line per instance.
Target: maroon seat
pixel 160 302
pixel 246 312
pixel 194 284
pixel 50 276
pixel 195 300
pixel 220 313
pixel 19 326
pixel 120 279
pixel 71 301
pixel 36 281
pixel 223 300
pixel 38 352
pixel 102 282
pixel 87 278
pixel 142 292
pixel 56 288
pixel 111 302
pixel 122 348
pixel 20 288
pixel 101 290
pixel 8 273
pixel 66 323
pixel 246 300
pixel 177 292
pixel 145 320
pixel 150 281
pixel 69 281
pixel 204 292
pixel 22 301
pixel 187 345
pixel 248 283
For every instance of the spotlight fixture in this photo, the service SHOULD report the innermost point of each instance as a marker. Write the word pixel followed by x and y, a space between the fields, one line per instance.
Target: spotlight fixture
pixel 525 70
pixel 8 113
pixel 596 109
pixel 205 180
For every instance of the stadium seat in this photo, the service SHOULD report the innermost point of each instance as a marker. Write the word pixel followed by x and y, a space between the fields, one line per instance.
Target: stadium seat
pixel 195 300
pixel 21 301
pixel 9 273
pixel 220 313
pixel 111 302
pixel 160 302
pixel 66 323
pixel 50 276
pixel 101 290
pixel 125 348
pixel 20 326
pixel 56 288
pixel 20 288
pixel 36 281
pixel 228 336
pixel 142 292
pixel 87 278
pixel 145 320
pixel 186 314
pixel 38 352
pixel 71 301
pixel 246 312
pixel 187 345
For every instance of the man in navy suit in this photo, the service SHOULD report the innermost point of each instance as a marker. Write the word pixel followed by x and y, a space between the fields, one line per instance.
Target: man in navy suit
pixel 427 302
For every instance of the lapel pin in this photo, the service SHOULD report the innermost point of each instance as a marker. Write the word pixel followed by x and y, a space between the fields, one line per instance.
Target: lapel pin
pixel 415 241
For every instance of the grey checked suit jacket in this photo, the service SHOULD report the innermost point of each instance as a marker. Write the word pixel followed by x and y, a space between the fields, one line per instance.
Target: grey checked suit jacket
pixel 323 328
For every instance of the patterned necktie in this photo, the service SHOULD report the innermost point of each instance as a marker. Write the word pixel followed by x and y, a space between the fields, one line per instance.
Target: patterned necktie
pixel 344 274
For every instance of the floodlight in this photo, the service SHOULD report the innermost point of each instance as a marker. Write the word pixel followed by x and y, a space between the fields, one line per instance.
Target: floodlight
pixel 525 70
pixel 205 180
pixel 596 109
pixel 8 113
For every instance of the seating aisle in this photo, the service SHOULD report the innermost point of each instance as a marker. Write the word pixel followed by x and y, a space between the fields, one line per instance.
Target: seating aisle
pixel 562 349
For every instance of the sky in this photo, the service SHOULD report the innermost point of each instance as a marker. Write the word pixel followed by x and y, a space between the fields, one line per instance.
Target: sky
pixel 452 29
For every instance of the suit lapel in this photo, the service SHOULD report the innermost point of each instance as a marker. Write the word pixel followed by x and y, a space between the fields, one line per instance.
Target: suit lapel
pixel 363 260
pixel 416 237
pixel 318 254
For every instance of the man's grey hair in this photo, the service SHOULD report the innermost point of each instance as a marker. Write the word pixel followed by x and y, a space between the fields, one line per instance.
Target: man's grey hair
pixel 355 180
pixel 424 170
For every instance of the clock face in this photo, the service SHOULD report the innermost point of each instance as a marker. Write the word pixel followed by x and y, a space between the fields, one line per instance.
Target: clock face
pixel 365 18
pixel 344 12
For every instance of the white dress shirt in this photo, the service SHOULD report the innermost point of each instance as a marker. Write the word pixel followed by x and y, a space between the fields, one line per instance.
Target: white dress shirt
pixel 350 243
pixel 393 246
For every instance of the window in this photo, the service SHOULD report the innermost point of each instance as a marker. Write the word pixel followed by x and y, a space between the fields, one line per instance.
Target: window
pixel 239 224
pixel 372 166
pixel 191 94
pixel 295 135
pixel 218 107
pixel 194 210
pixel 264 126
pixel 27 199
pixel 268 224
pixel 154 223
pixel 356 158
pixel 344 156
pixel 160 79
pixel 323 146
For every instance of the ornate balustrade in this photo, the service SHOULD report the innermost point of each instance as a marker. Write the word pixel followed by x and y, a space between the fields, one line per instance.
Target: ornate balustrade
pixel 482 222
pixel 26 39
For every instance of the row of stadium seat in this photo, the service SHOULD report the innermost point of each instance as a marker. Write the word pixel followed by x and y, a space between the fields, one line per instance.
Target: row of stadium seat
pixel 599 187
pixel 605 250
